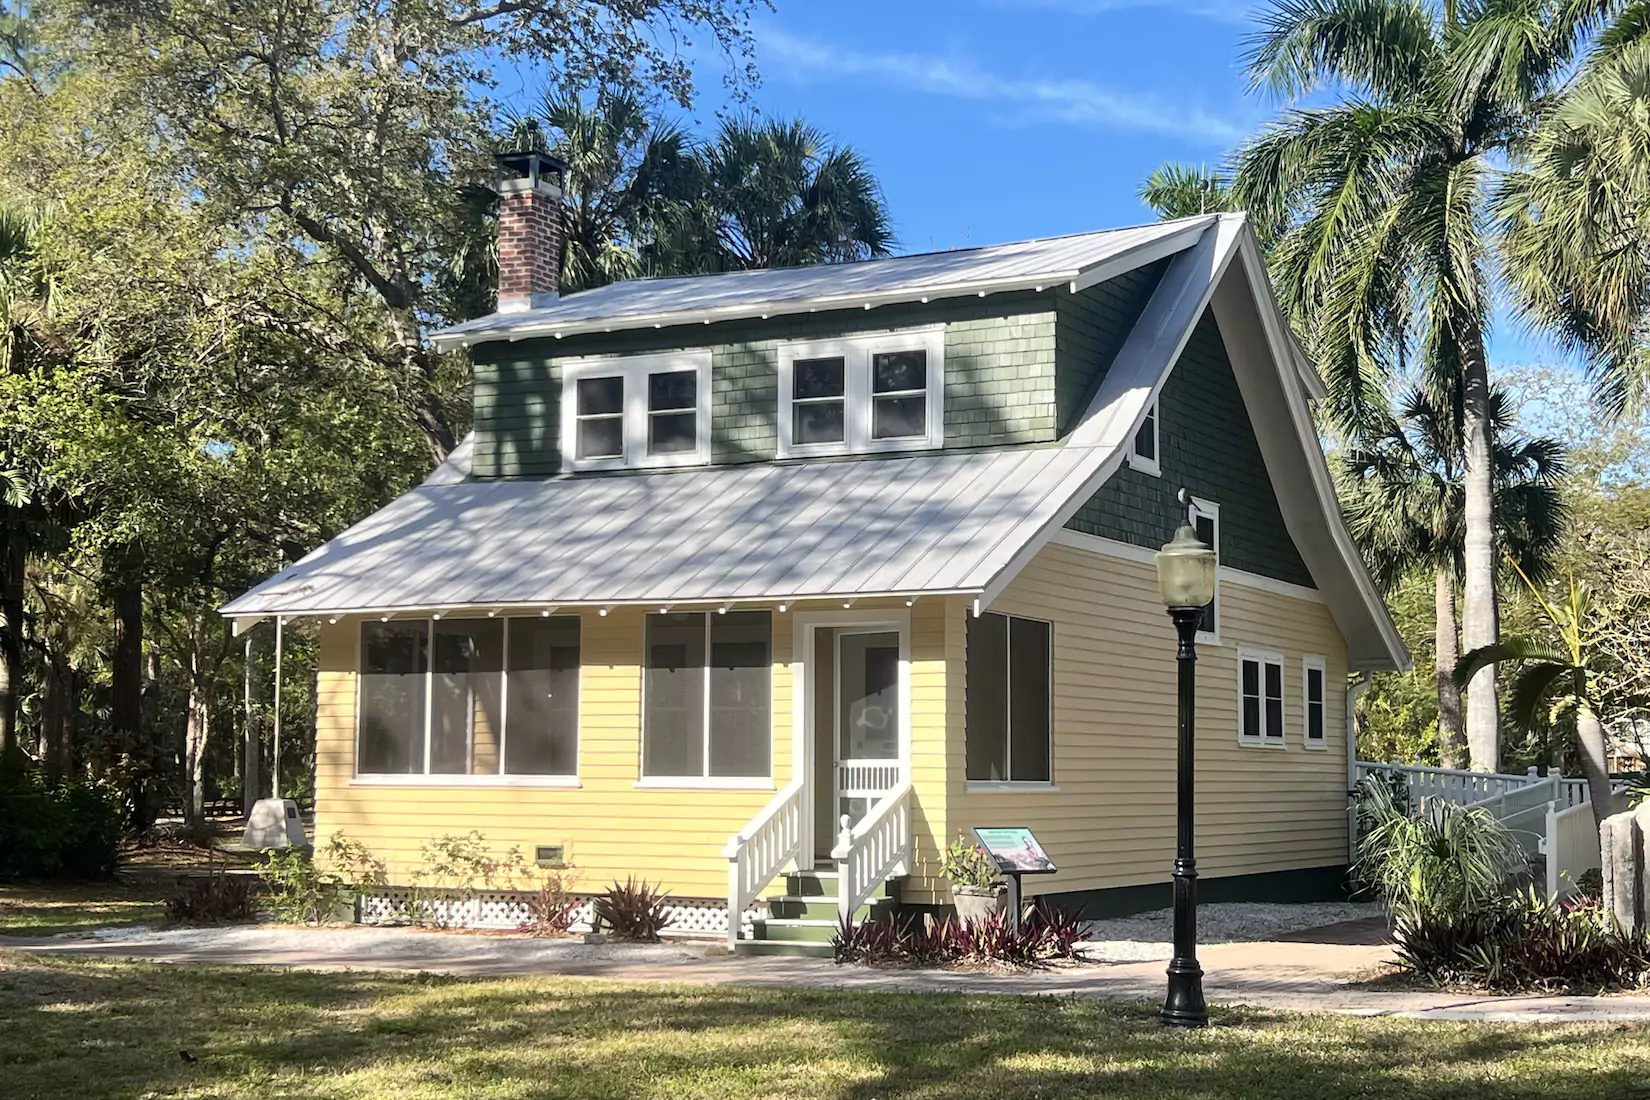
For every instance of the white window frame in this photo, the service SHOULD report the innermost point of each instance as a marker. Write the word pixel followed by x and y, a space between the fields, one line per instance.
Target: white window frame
pixel 856 353
pixel 634 369
pixel 1310 663
pixel 1264 657
pixel 1153 465
pixel 500 778
pixel 704 780
pixel 1210 510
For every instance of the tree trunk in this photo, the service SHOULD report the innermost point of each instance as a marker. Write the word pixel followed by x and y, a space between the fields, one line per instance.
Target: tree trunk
pixel 1480 626
pixel 1595 768
pixel 57 711
pixel 197 722
pixel 126 660
pixel 1452 741
pixel 12 558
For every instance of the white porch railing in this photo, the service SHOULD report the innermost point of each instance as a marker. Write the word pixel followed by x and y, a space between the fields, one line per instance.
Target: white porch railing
pixel 1570 845
pixel 760 850
pixel 873 851
pixel 1453 785
pixel 1523 810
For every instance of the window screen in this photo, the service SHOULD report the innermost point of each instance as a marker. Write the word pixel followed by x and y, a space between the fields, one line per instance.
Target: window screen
pixel 899 394
pixel 543 707
pixel 394 660
pixel 600 417
pixel 819 400
pixel 707 708
pixel 1008 699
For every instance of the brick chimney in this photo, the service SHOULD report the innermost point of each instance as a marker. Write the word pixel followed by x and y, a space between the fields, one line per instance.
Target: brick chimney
pixel 529 229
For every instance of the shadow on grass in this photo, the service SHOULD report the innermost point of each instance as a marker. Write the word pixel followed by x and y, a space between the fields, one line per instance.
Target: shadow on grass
pixel 76 1028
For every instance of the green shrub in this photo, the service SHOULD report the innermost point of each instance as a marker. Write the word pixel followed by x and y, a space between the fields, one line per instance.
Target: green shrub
pixel 965 863
pixel 1525 943
pixel 1448 862
pixel 299 890
pixel 56 829
pixel 1043 934
pixel 553 905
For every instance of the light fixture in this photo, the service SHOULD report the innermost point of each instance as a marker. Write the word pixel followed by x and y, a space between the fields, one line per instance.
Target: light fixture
pixel 603 612
pixel 782 608
pixel 1185 571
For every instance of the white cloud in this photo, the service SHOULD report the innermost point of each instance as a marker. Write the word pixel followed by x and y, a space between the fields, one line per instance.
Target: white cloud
pixel 1071 101
pixel 1218 11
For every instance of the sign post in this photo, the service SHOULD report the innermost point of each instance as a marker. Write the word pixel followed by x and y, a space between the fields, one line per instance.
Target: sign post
pixel 1016 852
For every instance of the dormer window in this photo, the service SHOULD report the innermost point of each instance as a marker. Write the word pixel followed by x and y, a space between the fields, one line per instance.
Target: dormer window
pixel 862 394
pixel 642 411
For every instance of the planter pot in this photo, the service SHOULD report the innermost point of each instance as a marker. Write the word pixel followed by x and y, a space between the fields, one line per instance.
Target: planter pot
pixel 977 903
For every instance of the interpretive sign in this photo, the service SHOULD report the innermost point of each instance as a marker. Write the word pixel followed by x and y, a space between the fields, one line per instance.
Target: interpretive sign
pixel 1015 851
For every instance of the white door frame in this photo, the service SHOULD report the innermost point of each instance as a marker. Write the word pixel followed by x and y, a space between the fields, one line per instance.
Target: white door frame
pixel 803 734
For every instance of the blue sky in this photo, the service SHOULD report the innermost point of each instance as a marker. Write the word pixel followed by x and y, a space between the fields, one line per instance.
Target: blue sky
pixel 998 120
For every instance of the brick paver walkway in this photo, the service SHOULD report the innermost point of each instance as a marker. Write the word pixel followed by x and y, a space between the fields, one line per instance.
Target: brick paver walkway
pixel 1301 974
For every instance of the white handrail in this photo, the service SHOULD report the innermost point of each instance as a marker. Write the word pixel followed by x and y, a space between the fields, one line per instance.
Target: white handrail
pixel 875 850
pixel 761 850
pixel 1571 846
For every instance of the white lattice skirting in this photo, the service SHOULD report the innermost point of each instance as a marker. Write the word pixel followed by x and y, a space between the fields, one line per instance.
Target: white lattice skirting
pixel 508 909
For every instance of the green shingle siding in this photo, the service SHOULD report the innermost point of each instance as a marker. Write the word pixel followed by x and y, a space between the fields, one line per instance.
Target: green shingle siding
pixel 999 378
pixel 1091 328
pixel 1206 444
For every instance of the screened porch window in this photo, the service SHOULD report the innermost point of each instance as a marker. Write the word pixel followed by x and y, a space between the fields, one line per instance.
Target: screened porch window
pixel 1009 699
pixel 706 702
pixel 469 697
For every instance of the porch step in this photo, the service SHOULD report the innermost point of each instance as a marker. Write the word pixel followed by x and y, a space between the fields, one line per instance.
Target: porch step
pixel 803 919
pixel 811 949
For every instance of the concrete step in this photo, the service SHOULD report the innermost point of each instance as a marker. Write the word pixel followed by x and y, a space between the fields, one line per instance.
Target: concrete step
pixel 813 949
pixel 821 908
pixel 811 929
pixel 823 883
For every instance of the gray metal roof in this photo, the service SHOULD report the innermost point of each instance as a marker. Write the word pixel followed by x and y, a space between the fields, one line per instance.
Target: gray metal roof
pixel 1083 258
pixel 943 523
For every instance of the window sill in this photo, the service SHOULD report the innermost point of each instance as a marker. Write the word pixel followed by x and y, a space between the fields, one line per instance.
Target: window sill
pixel 989 786
pixel 1147 466
pixel 562 781
pixel 1208 639
pixel 1316 746
pixel 704 783
pixel 1250 743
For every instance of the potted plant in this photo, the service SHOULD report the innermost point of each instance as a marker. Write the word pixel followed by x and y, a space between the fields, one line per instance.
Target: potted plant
pixel 978 890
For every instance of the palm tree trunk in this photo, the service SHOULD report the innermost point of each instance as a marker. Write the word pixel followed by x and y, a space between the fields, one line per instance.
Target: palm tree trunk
pixel 1480 626
pixel 1452 741
pixel 1595 767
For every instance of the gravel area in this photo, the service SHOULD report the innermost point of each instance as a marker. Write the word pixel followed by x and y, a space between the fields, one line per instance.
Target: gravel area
pixel 393 945
pixel 1147 936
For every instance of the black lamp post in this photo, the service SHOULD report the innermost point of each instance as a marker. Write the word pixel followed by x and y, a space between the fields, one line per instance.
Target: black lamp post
pixel 1186 580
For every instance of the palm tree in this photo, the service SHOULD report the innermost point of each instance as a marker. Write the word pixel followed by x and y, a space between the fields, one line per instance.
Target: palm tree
pixel 782 195
pixel 1557 679
pixel 1401 489
pixel 1377 204
pixel 1577 217
pixel 1175 190
pixel 632 178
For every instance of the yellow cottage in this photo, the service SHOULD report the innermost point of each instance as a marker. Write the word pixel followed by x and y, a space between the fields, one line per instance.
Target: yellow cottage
pixel 764 585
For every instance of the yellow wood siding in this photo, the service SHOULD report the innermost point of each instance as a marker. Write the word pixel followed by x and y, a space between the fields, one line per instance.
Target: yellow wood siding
pixel 610 827
pixel 1110 819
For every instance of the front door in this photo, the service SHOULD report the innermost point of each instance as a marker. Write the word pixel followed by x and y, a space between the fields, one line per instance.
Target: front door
pixel 867 719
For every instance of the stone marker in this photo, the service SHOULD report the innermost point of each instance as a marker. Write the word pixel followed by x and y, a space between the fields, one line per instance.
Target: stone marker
pixel 1620 858
pixel 274 823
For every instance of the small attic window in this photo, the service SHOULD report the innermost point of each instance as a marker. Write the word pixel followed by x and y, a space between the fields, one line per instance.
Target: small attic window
pixel 642 411
pixel 1143 450
pixel 859 394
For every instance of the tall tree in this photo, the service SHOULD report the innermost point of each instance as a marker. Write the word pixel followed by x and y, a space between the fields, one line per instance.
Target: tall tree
pixel 1175 190
pixel 343 133
pixel 1379 202
pixel 1402 490
pixel 782 194
pixel 1577 216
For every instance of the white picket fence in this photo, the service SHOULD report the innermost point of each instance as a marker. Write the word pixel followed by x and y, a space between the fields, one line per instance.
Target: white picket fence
pixel 1550 815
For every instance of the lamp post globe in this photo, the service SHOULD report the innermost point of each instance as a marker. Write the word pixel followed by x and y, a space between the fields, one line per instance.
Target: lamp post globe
pixel 1186 581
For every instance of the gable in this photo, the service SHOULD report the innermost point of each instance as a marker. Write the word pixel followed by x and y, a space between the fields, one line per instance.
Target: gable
pixel 1206 444
pixel 1091 327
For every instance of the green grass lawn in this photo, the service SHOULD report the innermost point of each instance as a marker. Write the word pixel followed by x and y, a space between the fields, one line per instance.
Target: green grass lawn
pixel 77 907
pixel 87 1029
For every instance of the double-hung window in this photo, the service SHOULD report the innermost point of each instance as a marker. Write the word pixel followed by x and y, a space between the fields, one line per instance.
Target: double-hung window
pixel 862 394
pixel 469 697
pixel 1260 698
pixel 639 411
pixel 1008 699
pixel 1143 448
pixel 1313 686
pixel 1205 518
pixel 707 698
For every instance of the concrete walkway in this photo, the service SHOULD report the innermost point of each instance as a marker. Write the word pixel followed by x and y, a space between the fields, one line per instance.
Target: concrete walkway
pixel 1312 972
